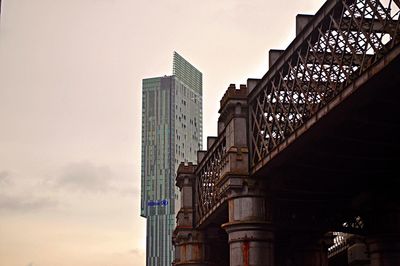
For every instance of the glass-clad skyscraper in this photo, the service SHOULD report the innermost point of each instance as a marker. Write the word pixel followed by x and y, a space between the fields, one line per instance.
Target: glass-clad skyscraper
pixel 171 133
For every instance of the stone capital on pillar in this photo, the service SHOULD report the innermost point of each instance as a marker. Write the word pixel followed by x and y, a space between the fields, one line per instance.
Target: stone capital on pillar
pixel 249 230
pixel 189 247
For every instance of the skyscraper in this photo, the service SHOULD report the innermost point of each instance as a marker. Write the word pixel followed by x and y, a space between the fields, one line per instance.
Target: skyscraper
pixel 171 133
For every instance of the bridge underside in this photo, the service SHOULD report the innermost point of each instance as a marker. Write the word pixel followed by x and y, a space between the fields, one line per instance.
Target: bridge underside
pixel 346 165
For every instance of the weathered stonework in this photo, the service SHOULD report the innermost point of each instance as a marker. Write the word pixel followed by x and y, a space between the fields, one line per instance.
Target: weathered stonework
pixel 188 242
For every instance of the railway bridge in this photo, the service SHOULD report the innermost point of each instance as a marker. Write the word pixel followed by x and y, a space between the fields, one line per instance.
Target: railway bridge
pixel 305 169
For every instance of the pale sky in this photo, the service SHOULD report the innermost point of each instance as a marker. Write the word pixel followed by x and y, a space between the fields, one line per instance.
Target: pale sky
pixel 70 111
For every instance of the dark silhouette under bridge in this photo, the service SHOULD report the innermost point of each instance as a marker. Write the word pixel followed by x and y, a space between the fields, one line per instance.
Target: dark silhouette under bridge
pixel 305 167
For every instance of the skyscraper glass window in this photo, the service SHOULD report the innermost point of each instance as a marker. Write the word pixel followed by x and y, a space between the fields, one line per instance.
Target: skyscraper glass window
pixel 171 133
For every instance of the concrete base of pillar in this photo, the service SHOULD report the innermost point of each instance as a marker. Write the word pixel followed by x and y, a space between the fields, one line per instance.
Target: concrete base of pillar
pixel 250 243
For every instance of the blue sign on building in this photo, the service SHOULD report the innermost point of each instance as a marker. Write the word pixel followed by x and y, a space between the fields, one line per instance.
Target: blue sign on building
pixel 152 203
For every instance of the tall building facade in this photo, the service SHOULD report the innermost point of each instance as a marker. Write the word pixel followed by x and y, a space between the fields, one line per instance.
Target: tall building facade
pixel 171 134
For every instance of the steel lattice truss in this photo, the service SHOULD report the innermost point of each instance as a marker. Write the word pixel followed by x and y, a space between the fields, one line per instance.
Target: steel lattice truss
pixel 347 37
pixel 208 173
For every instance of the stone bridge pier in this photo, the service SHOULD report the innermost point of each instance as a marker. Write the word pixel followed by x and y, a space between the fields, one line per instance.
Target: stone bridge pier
pixel 189 243
pixel 249 225
pixel 195 246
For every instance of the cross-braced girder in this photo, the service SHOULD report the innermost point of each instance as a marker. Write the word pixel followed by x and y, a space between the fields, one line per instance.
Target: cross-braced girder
pixel 344 39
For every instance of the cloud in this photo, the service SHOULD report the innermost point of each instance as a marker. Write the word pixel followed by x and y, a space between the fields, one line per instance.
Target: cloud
pixel 92 178
pixel 13 196
pixel 85 177
pixel 136 252
pixel 27 203
pixel 5 177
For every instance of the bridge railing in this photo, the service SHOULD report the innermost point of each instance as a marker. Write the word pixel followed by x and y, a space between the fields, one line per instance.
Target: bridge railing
pixel 208 173
pixel 339 44
pixel 340 243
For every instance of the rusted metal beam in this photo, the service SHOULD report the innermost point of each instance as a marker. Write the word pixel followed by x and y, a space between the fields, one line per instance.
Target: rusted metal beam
pixel 367 24
pixel 346 59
